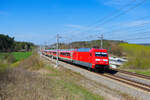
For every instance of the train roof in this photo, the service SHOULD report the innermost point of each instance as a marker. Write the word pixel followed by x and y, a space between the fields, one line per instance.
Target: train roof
pixel 83 49
pixel 91 49
pixel 80 50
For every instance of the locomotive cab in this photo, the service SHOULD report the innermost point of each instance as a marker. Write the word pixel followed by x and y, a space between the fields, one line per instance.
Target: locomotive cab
pixel 100 59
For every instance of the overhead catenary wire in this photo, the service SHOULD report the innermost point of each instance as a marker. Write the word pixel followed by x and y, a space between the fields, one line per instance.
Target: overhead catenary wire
pixel 133 34
pixel 129 29
pixel 110 14
pixel 104 22
pixel 122 13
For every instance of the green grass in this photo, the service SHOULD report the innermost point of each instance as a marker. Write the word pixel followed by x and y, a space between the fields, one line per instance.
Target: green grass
pixel 76 92
pixel 138 56
pixel 21 55
pixel 17 55
pixel 65 84
pixel 80 91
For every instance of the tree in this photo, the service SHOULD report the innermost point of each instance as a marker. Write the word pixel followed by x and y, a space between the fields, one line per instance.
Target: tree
pixel 6 43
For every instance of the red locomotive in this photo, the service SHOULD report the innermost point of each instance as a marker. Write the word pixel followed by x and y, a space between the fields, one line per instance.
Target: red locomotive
pixel 91 58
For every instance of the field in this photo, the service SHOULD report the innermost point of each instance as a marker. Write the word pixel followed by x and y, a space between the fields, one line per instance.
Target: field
pixel 21 55
pixel 138 58
pixel 17 55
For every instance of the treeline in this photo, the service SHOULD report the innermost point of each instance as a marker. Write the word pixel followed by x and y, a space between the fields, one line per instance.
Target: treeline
pixel 113 46
pixel 8 44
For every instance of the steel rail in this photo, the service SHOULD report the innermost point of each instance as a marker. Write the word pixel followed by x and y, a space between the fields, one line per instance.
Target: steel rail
pixel 129 82
pixel 139 85
pixel 133 74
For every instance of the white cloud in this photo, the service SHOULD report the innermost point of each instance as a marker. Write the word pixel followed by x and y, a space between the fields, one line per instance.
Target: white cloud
pixel 84 28
pixel 76 26
pixel 136 23
pixel 80 32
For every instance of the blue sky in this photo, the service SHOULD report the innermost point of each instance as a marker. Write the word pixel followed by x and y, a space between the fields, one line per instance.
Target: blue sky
pixel 39 21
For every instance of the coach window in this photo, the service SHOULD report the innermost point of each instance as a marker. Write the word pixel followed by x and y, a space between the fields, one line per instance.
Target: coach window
pixel 67 54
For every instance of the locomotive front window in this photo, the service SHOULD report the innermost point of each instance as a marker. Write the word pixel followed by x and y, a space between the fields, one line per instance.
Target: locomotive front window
pixel 100 54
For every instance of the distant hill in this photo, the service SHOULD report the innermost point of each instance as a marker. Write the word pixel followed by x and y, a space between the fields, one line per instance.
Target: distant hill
pixel 87 44
pixel 146 44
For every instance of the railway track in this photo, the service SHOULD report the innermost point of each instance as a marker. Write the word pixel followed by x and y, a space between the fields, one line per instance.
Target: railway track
pixel 130 82
pixel 133 74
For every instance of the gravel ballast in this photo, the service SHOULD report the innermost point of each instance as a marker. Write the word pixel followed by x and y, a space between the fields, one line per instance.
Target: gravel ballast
pixel 134 78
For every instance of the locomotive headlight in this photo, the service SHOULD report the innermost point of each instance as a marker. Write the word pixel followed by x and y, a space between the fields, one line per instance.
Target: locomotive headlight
pixel 97 60
pixel 105 59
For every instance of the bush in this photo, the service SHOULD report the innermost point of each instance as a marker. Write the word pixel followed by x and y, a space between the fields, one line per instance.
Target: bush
pixel 7 57
pixel 116 50
pixel 3 66
pixel 10 58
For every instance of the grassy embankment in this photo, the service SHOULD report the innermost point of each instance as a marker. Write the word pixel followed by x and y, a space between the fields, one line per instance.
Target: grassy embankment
pixel 8 59
pixel 138 58
pixel 37 80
